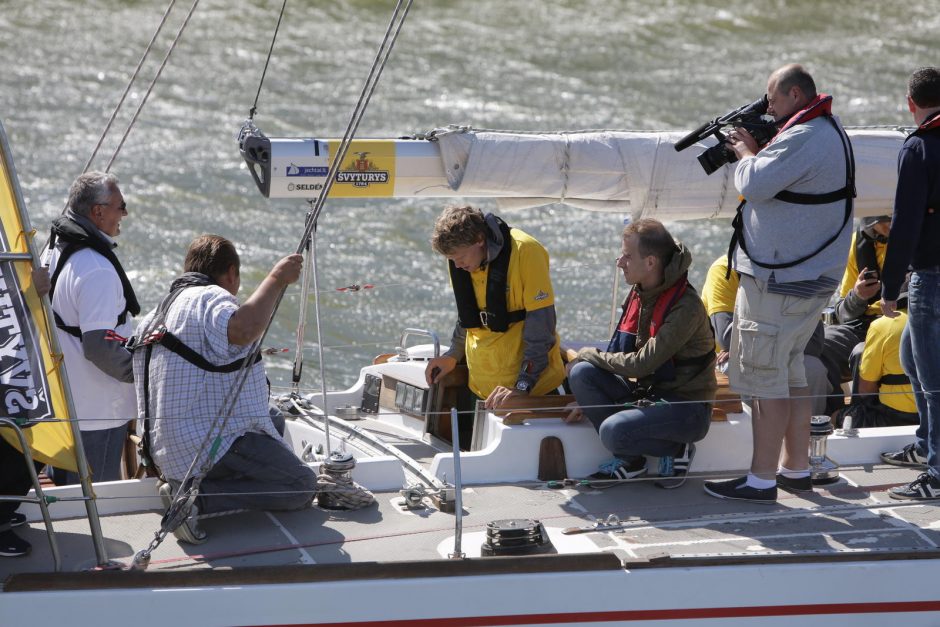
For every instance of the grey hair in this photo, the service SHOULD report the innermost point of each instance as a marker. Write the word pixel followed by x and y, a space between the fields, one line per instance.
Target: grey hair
pixel 90 189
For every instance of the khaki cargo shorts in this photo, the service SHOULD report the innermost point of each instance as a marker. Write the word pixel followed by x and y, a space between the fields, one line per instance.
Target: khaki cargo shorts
pixel 768 339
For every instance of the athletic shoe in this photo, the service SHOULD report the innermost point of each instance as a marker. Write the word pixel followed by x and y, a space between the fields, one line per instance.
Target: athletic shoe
pixel 17 519
pixel 923 488
pixel 795 484
pixel 738 490
pixel 617 470
pixel 680 468
pixel 189 531
pixel 908 456
pixel 11 545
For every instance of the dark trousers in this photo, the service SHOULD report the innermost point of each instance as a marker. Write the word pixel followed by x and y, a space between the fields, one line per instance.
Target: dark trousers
pixel 257 472
pixel 842 354
pixel 14 480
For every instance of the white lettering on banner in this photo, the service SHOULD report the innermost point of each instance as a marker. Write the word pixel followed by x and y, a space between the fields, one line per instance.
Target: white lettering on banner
pixel 18 390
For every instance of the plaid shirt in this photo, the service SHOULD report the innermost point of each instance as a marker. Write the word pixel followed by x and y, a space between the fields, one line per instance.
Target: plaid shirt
pixel 184 399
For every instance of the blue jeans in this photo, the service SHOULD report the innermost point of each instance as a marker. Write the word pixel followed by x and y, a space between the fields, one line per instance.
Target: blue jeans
pixel 920 356
pixel 257 472
pixel 103 449
pixel 659 430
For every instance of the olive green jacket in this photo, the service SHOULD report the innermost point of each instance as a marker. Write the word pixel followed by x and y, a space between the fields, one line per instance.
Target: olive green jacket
pixel 685 333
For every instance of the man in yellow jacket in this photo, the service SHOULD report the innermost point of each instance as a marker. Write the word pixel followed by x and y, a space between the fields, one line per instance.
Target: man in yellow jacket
pixel 505 305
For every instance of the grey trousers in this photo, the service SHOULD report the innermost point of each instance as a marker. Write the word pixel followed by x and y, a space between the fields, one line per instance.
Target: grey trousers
pixel 257 472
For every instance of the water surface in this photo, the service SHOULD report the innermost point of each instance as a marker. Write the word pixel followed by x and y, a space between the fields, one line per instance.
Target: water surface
pixel 507 64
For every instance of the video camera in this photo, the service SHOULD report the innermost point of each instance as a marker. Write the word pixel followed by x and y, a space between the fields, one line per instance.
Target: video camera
pixel 748 117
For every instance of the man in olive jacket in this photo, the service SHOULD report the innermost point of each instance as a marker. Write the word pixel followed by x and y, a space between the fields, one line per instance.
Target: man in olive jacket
pixel 660 362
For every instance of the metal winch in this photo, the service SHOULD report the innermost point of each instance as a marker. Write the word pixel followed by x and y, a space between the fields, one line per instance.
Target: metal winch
pixel 822 469
pixel 339 466
pixel 516 536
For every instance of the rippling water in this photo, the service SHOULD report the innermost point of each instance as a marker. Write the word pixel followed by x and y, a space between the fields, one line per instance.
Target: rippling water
pixel 627 64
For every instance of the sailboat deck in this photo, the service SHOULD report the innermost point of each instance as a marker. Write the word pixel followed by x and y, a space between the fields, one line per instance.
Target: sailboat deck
pixel 854 515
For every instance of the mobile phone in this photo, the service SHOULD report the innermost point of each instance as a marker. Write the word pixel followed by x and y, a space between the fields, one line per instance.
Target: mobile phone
pixel 868 275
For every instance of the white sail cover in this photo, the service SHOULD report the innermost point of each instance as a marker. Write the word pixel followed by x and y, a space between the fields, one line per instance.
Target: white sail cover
pixel 636 172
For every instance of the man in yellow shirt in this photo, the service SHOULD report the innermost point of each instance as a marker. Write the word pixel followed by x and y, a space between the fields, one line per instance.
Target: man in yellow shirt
pixel 880 373
pixel 858 303
pixel 505 304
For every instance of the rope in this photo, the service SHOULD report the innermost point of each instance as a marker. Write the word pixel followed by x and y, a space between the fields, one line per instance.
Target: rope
pixel 556 408
pixel 150 87
pixel 565 170
pixel 264 72
pixel 344 491
pixel 127 89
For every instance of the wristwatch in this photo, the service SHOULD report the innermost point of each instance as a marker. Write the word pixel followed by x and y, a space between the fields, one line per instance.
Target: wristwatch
pixel 523 386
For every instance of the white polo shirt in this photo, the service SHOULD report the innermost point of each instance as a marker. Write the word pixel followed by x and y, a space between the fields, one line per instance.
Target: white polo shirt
pixel 88 294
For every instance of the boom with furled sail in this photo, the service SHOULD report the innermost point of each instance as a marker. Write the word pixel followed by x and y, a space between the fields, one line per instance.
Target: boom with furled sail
pixel 635 172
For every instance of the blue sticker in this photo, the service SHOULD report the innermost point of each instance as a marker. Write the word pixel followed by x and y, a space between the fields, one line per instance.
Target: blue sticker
pixel 306 170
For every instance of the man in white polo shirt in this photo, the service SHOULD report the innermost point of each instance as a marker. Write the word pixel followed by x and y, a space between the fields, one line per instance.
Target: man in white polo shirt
pixel 92 302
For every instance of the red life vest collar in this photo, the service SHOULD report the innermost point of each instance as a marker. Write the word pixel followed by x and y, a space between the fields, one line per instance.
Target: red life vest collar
pixel 630 322
pixel 932 122
pixel 820 105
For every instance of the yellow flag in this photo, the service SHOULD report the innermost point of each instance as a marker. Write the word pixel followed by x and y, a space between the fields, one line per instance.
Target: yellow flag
pixel 31 388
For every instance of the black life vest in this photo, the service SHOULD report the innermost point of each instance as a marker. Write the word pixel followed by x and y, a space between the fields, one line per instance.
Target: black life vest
pixel 624 338
pixel 496 315
pixel 894 379
pixel 156 333
pixel 76 237
pixel 821 106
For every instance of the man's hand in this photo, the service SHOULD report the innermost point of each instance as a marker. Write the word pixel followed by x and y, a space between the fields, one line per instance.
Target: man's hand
pixel 723 356
pixel 742 143
pixel 248 323
pixel 889 308
pixel 866 288
pixel 575 414
pixel 41 280
pixel 438 367
pixel 569 365
pixel 287 270
pixel 499 395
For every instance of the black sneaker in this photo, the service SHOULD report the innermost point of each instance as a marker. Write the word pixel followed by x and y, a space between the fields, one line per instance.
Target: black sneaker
pixel 17 519
pixel 615 472
pixel 738 490
pixel 795 484
pixel 908 457
pixel 618 470
pixel 680 469
pixel 923 488
pixel 11 545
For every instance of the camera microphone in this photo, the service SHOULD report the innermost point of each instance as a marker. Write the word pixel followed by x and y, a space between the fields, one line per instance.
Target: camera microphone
pixel 692 137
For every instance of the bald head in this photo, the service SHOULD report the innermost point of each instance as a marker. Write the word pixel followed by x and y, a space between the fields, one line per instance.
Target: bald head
pixel 794 75
pixel 789 89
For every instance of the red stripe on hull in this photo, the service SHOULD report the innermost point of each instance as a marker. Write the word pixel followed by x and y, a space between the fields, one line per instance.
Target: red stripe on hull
pixel 645 615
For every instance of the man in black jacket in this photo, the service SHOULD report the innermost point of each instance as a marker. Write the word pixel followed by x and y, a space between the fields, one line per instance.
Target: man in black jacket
pixel 915 241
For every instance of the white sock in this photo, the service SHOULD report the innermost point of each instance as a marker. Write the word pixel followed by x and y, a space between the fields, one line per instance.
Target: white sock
pixel 793 474
pixel 753 481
